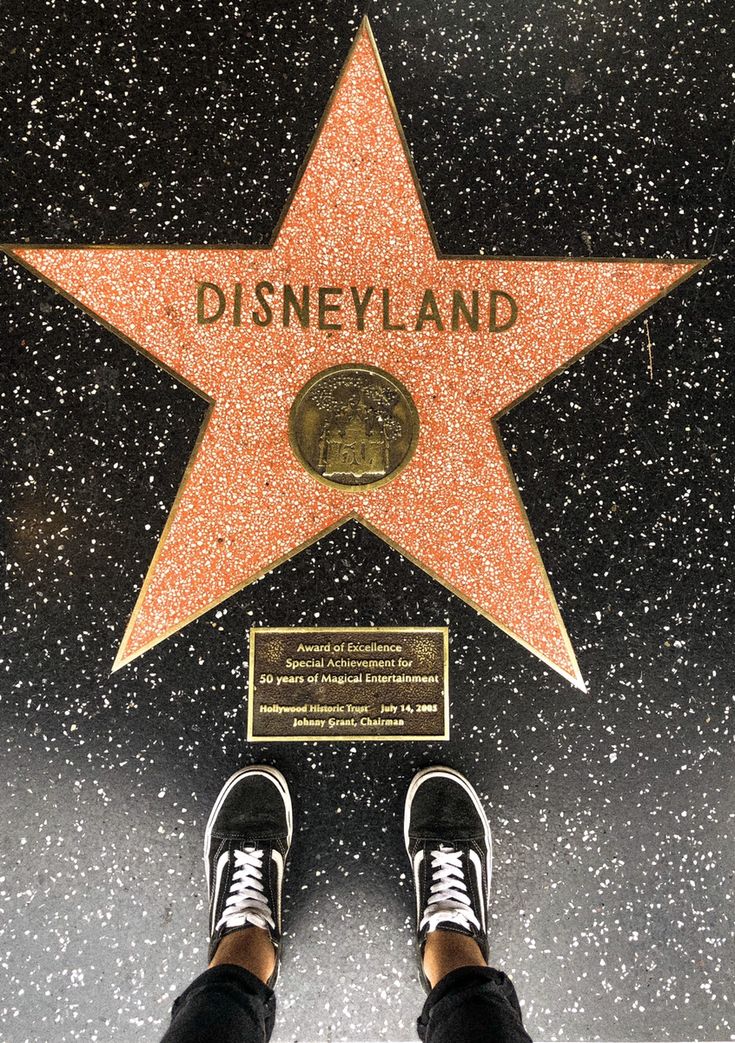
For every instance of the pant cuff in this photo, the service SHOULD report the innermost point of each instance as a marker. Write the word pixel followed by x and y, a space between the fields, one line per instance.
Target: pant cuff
pixel 226 974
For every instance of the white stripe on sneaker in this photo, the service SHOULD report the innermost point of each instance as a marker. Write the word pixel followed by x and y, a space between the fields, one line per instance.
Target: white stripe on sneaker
pixel 278 859
pixel 222 862
pixel 417 862
pixel 477 863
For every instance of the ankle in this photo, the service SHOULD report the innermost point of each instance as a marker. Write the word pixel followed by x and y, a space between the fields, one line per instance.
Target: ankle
pixel 447 951
pixel 250 948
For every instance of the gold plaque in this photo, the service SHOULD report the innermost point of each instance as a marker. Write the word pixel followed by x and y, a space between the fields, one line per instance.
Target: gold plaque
pixel 353 427
pixel 333 684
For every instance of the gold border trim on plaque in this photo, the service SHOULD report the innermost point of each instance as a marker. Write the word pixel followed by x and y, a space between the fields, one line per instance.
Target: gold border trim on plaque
pixel 444 631
pixel 695 264
pixel 366 486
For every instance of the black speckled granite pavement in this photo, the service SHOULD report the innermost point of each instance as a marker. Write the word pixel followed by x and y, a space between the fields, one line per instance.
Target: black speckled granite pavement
pixel 552 129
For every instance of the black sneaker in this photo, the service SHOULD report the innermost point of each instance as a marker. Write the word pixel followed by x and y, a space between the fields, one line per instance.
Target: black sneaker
pixel 448 842
pixel 245 847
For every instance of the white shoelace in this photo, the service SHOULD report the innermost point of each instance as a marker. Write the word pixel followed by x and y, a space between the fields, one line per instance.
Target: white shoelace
pixel 246 902
pixel 449 900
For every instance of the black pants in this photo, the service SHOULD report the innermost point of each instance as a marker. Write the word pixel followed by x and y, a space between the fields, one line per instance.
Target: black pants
pixel 227 1004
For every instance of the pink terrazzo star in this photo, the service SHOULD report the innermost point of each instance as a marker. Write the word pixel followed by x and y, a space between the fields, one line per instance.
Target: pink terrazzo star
pixel 468 337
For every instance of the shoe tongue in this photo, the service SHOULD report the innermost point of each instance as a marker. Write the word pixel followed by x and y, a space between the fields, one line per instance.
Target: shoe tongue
pixel 448 925
pixel 445 925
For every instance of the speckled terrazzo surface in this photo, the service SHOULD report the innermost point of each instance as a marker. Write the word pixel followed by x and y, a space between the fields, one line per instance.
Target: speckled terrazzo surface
pixel 223 320
pixel 572 129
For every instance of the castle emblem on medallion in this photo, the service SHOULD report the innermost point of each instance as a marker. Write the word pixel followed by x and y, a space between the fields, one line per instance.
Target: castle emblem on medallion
pixel 354 426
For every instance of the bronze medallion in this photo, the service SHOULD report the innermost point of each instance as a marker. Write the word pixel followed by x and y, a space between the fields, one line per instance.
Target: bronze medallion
pixel 353 427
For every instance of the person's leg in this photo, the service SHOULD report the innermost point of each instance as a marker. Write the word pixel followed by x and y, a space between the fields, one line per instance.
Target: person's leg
pixel 246 843
pixel 472 1005
pixel 449 845
pixel 225 1004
